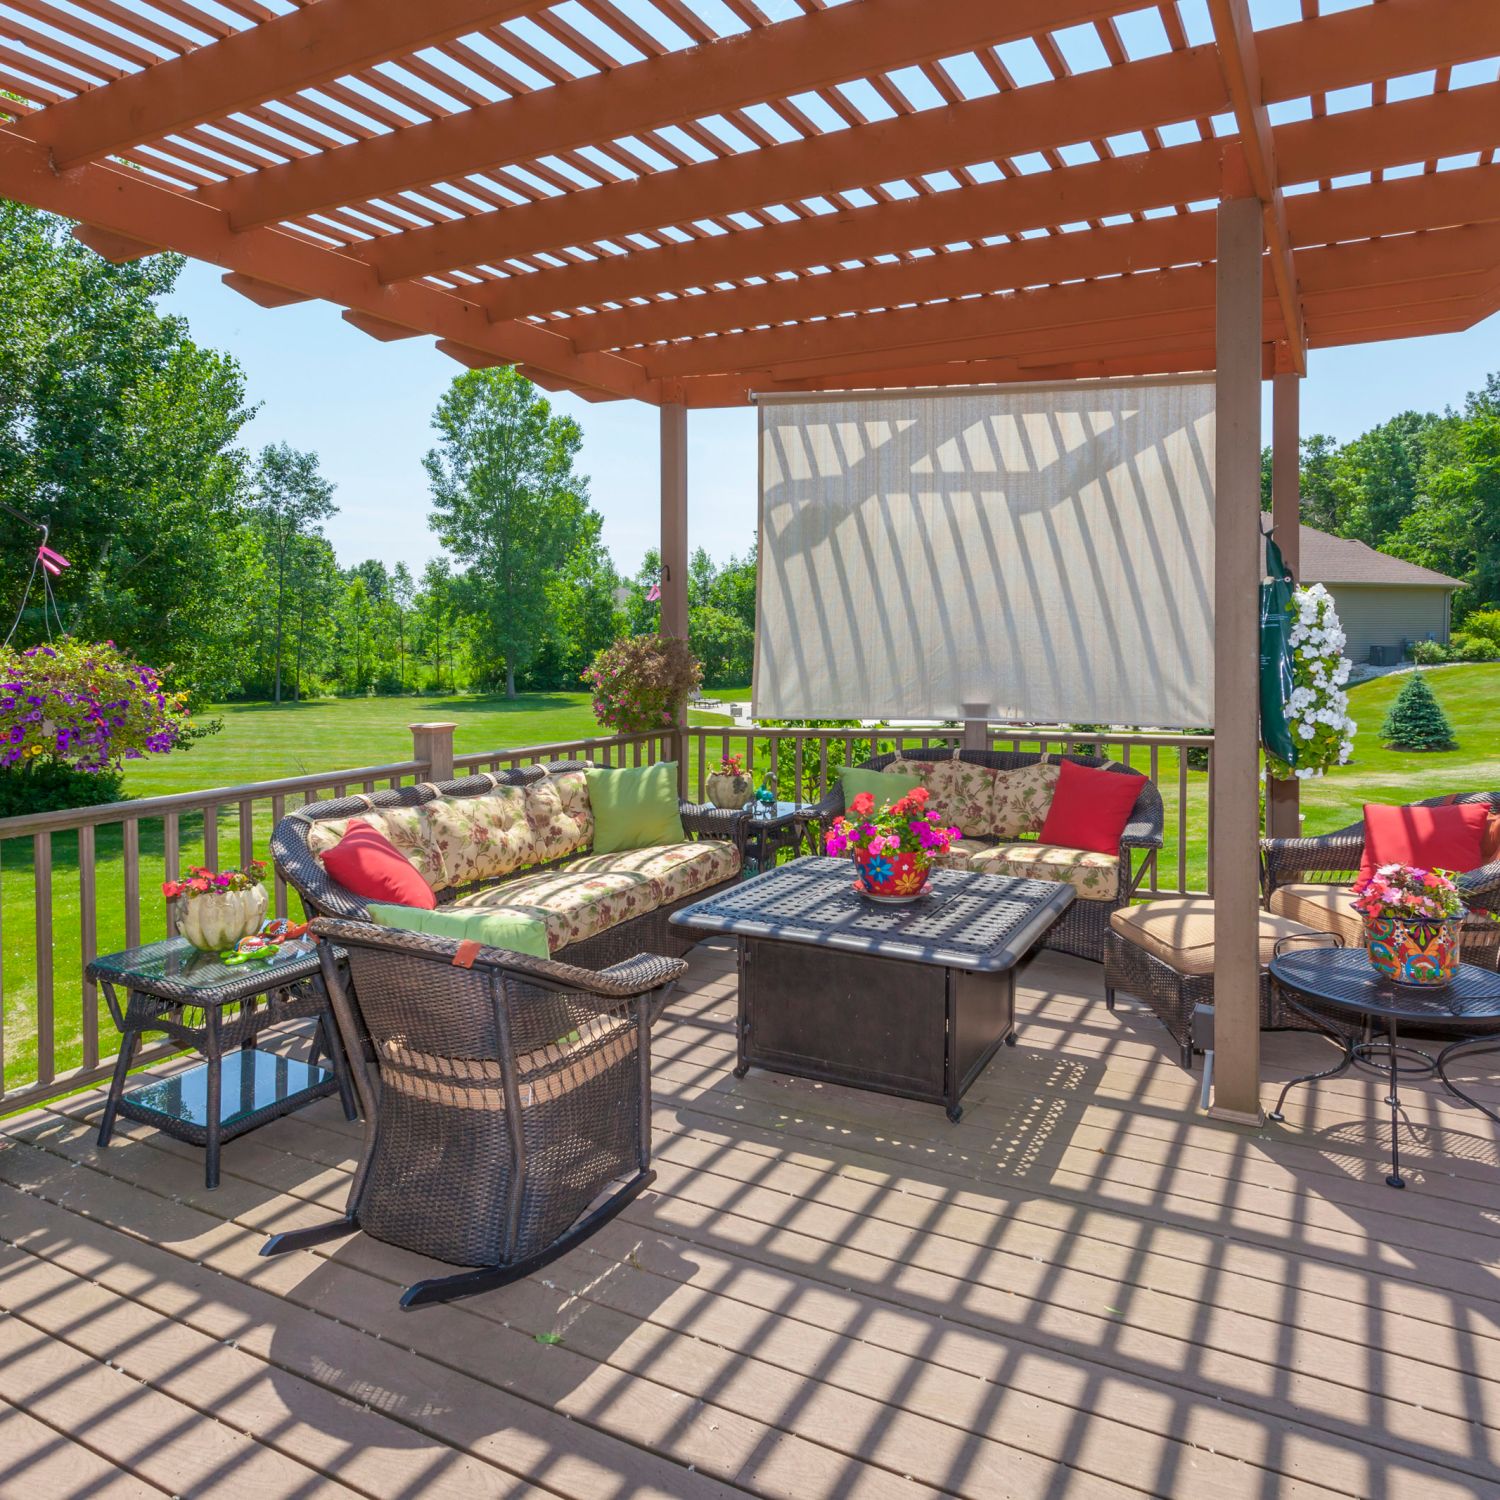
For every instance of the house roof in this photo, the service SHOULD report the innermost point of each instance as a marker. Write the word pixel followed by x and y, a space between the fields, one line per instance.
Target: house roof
pixel 685 201
pixel 1341 559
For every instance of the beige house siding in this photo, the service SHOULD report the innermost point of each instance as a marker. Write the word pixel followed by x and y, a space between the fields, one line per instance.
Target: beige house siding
pixel 1380 615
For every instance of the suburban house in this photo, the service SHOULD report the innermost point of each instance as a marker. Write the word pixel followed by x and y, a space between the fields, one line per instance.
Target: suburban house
pixel 1383 602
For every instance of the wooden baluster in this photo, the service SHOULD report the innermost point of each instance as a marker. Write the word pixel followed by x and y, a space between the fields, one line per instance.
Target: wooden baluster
pixel 132 872
pixel 1155 875
pixel 88 942
pixel 797 770
pixel 278 812
pixel 41 867
pixel 2 972
pixel 211 836
pixel 171 840
pixel 247 831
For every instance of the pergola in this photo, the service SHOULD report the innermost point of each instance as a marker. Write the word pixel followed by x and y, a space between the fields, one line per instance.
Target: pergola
pixel 685 202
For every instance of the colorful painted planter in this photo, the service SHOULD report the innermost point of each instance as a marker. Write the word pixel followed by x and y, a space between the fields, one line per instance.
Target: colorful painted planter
pixel 1415 953
pixel 892 877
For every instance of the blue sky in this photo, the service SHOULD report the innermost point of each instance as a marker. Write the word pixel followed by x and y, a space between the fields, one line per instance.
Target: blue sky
pixel 365 407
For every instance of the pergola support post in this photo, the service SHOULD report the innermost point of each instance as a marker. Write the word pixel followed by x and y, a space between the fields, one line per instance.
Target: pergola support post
pixel 1237 572
pixel 674 551
pixel 1283 798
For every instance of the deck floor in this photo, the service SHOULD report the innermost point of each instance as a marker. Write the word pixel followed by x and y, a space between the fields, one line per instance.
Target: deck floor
pixel 1083 1289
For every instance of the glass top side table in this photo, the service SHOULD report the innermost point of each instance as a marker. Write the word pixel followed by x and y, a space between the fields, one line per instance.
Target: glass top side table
pixel 218 1010
pixel 770 828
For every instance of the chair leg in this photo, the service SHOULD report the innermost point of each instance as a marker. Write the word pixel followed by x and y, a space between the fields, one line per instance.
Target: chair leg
pixel 488 1278
pixel 1206 1093
pixel 1109 997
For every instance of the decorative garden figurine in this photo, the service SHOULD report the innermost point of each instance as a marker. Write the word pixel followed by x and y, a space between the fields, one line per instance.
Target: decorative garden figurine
pixel 765 798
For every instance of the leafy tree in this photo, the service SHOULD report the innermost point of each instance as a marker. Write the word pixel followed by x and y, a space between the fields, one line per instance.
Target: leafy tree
pixel 508 502
pixel 1416 720
pixel 291 499
pixel 403 593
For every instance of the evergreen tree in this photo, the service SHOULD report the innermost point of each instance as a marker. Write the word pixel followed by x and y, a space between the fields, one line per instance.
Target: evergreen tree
pixel 1416 720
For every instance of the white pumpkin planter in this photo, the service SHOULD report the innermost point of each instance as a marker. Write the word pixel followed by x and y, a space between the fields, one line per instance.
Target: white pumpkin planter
pixel 216 920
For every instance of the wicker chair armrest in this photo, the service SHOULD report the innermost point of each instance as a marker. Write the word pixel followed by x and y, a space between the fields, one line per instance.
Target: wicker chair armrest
pixel 1481 887
pixel 633 976
pixel 1285 860
pixel 1142 834
pixel 705 821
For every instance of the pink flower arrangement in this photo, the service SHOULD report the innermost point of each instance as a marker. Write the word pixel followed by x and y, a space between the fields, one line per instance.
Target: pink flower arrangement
pixel 902 828
pixel 1408 894
pixel 200 880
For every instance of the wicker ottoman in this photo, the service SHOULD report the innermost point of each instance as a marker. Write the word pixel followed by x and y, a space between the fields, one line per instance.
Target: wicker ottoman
pixel 1163 953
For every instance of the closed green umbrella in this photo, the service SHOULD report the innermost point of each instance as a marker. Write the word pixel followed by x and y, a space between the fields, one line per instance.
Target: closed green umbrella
pixel 1276 678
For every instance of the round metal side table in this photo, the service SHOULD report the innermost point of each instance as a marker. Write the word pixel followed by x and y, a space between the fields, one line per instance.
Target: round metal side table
pixel 1323 985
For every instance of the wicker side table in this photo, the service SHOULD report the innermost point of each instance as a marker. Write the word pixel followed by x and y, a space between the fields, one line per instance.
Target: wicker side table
pixel 217 1010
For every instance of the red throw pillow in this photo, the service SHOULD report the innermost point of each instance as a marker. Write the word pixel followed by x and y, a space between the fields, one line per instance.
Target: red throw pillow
pixel 1431 838
pixel 1090 808
pixel 366 863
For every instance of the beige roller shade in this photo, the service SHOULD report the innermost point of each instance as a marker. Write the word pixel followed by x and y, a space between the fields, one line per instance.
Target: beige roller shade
pixel 1029 552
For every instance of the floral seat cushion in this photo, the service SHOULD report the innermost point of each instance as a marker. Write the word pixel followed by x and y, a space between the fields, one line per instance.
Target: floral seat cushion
pixel 676 870
pixel 408 830
pixel 572 904
pixel 1096 877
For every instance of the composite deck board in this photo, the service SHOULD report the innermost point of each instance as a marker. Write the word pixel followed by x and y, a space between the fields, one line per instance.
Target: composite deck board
pixel 1083 1289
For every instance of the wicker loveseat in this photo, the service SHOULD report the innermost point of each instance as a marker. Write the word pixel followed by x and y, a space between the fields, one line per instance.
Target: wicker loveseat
pixel 999 811
pixel 1308 880
pixel 521 840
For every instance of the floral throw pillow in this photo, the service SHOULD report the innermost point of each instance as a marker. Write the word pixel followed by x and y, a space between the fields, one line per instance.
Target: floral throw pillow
pixel 557 808
pixel 1021 799
pixel 482 838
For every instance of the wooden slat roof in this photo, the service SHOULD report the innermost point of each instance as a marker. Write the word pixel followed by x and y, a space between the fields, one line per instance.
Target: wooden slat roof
pixel 696 199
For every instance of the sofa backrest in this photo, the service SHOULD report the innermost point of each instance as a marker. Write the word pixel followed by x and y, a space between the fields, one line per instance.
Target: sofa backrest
pixel 454 833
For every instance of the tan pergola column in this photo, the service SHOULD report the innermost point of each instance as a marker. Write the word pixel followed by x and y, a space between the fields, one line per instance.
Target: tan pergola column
pixel 1237 572
pixel 1283 800
pixel 674 546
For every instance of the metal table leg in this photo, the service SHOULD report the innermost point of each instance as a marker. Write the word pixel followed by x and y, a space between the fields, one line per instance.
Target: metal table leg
pixel 1394 1100
pixel 1469 1046
pixel 1345 1044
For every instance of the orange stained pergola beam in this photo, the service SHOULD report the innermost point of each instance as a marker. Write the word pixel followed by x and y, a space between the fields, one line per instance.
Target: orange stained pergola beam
pixel 1135 96
pixel 1240 61
pixel 812 51
pixel 1053 310
pixel 129 204
pixel 1308 150
pixel 1125 97
pixel 273 58
pixel 1396 207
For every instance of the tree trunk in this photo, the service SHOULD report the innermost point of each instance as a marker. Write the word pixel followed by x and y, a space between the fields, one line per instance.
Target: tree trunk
pixel 280 589
pixel 510 681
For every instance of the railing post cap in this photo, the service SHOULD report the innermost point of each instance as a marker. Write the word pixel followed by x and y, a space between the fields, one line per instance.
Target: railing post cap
pixel 436 724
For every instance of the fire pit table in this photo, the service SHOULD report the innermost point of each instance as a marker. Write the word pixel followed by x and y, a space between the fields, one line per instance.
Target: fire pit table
pixel 911 1000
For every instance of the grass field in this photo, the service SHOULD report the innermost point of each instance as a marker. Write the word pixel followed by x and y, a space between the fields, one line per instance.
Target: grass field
pixel 261 742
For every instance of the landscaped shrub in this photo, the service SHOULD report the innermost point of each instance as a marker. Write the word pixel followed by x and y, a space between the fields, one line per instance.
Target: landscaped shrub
pixel 1429 653
pixel 1484 625
pixel 1416 720
pixel 75 710
pixel 1462 646
pixel 643 682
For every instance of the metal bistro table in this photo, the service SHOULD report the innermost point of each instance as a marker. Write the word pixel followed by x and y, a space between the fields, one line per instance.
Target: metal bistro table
pixel 174 988
pixel 1344 985
pixel 911 1000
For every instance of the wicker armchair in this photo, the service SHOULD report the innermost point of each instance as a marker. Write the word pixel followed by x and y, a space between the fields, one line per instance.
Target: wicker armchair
pixel 323 896
pixel 1333 859
pixel 512 1091
pixel 1082 928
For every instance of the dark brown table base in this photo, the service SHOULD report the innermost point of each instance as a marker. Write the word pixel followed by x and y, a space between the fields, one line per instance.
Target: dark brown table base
pixel 918 1030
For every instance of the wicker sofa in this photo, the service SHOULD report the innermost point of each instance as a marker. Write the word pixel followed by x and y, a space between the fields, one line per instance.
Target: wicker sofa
pixel 521 840
pixel 1308 879
pixel 998 813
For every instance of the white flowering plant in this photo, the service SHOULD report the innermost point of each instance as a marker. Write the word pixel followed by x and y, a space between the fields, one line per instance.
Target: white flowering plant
pixel 1317 711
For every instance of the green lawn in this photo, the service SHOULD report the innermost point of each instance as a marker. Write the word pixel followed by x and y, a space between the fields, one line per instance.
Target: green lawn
pixel 260 742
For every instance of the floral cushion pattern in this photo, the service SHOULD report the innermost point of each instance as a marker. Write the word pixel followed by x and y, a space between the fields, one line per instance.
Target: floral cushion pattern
pixel 1096 877
pixel 573 904
pixel 481 838
pixel 939 776
pixel 408 830
pixel 675 870
pixel 1021 799
pixel 562 822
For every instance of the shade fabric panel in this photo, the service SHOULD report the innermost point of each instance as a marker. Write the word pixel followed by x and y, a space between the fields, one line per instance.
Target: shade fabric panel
pixel 1039 553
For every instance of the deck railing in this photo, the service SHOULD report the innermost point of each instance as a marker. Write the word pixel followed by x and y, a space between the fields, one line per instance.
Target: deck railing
pixel 85 881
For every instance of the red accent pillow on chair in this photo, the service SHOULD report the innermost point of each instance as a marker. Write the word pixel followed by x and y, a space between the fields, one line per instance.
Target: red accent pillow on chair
pixel 366 863
pixel 1431 838
pixel 1090 808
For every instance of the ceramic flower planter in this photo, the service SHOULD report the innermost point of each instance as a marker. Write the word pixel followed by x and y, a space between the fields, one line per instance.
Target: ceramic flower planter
pixel 216 920
pixel 892 877
pixel 729 792
pixel 1412 952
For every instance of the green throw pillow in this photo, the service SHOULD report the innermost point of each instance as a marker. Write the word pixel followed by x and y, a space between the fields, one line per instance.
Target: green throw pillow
pixel 635 807
pixel 884 788
pixel 495 929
